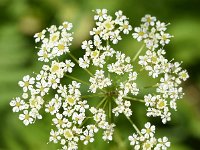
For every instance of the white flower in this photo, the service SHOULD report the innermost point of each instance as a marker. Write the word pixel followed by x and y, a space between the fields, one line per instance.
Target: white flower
pixel 42 75
pixel 52 29
pixel 34 113
pixel 71 100
pixel 119 17
pixel 42 88
pixel 140 33
pixel 133 139
pixel 54 136
pixel 27 83
pixel 87 45
pixel 53 81
pixel 26 117
pixel 129 87
pixel 62 89
pixel 51 108
pixel 163 143
pixel 125 27
pixel 59 121
pixel 99 81
pixel 67 37
pixel 97 41
pixel 160 26
pixel 25 95
pixel 96 31
pixel 39 36
pixel 17 104
pixel 122 64
pixel 95 54
pixel 161 104
pixel 107 134
pixel 92 128
pixel 66 25
pixel 84 62
pixel 183 75
pixel 44 56
pixel 60 48
pixel 82 106
pixel 72 145
pixel 36 102
pixel 164 38
pixel 149 131
pixel 115 37
pixel 148 145
pixel 54 105
pixel 108 24
pixel 68 134
pixel 87 137
pixel 54 37
pixel 57 68
pixel 173 104
pixel 149 20
pixel 166 116
pixel 150 100
pixel 132 76
pixel 68 66
pixel 101 14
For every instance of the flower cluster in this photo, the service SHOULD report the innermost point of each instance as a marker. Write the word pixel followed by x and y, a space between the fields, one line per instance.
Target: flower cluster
pixel 56 44
pixel 99 81
pixel 70 128
pixel 99 117
pixel 170 74
pixel 114 83
pixel 147 141
pixel 98 50
pixel 35 88
pixel 107 29
pixel 152 32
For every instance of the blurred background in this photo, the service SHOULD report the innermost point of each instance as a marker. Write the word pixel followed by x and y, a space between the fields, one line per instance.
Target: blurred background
pixel 20 19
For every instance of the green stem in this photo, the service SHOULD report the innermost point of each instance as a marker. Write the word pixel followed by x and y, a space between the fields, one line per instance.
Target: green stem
pixel 134 126
pixel 86 119
pixel 57 59
pixel 105 103
pixel 71 55
pixel 150 86
pixel 134 99
pixel 93 95
pixel 138 53
pixel 101 90
pixel 142 68
pixel 101 102
pixel 73 78
pixel 78 63
pixel 110 111
pixel 107 42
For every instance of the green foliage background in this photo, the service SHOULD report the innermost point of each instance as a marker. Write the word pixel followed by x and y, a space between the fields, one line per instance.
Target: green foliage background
pixel 20 19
